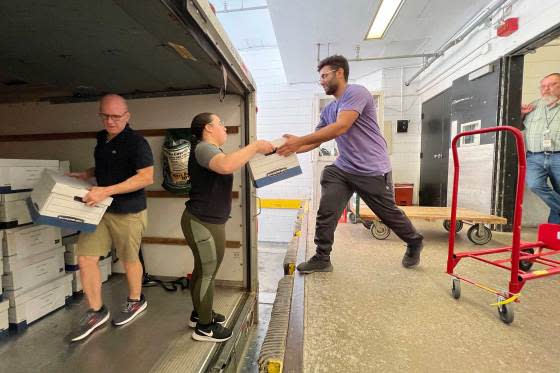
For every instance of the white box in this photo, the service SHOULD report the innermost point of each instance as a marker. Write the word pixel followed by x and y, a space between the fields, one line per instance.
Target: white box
pixel 36 303
pixel 30 240
pixel 271 168
pixel 4 324
pixel 104 267
pixel 22 275
pixel 57 200
pixel 23 174
pixel 13 210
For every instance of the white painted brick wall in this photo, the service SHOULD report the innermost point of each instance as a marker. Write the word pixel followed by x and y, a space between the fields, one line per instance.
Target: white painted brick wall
pixel 405 147
pixel 282 108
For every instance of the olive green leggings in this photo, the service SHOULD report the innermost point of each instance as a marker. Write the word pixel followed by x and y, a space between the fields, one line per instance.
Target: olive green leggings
pixel 207 242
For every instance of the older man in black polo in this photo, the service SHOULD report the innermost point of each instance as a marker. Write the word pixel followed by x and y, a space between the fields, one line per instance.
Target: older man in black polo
pixel 123 168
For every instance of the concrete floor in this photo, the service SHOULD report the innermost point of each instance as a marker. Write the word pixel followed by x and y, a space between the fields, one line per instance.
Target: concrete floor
pixel 373 315
pixel 153 342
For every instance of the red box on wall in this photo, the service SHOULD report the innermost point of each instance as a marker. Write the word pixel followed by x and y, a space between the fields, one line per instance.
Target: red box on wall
pixel 403 194
pixel 508 27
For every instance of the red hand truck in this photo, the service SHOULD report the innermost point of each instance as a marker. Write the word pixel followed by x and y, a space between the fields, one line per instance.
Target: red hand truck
pixel 523 254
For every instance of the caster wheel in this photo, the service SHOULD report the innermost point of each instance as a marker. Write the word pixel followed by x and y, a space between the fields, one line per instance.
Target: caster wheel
pixel 479 236
pixel 458 225
pixel 505 311
pixel 456 288
pixel 352 217
pixel 525 265
pixel 367 224
pixel 379 230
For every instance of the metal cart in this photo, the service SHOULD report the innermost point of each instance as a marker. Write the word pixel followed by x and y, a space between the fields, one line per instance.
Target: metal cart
pixel 523 254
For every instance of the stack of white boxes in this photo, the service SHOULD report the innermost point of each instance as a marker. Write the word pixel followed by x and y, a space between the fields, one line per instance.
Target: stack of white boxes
pixel 34 279
pixel 32 264
pixel 71 263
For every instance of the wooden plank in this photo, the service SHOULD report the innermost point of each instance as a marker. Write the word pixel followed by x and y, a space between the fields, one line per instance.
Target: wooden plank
pixel 84 135
pixel 181 241
pixel 166 194
pixel 440 213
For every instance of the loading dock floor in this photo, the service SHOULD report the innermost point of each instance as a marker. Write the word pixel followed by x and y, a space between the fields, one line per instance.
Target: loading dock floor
pixel 158 341
pixel 373 315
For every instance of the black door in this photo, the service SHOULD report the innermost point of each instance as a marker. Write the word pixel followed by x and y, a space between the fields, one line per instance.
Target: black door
pixel 434 152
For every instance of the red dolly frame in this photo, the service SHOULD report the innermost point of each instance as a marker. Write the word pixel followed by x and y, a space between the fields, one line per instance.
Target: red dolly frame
pixel 522 253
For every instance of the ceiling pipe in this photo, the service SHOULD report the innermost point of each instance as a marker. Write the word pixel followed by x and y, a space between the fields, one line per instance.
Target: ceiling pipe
pixel 242 9
pixel 476 21
pixel 392 57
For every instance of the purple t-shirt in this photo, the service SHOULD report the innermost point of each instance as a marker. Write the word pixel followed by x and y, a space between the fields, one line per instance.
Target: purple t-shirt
pixel 363 150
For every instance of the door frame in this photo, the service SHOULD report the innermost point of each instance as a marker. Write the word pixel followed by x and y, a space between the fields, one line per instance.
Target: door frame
pixel 505 174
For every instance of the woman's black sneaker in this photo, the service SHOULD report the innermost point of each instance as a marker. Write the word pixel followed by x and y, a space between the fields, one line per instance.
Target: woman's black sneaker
pixel 211 333
pixel 216 317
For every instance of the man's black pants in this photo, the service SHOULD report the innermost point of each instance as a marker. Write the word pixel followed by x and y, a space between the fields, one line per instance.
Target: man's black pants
pixel 337 187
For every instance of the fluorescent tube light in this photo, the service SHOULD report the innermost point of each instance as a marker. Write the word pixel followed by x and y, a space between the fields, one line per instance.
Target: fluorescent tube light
pixel 385 15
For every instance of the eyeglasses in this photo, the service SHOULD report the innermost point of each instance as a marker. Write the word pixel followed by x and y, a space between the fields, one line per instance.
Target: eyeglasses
pixel 113 117
pixel 324 76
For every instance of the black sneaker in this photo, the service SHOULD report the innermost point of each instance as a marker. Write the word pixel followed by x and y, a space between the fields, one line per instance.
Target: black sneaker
pixel 411 257
pixel 315 264
pixel 211 333
pixel 216 317
pixel 131 309
pixel 89 322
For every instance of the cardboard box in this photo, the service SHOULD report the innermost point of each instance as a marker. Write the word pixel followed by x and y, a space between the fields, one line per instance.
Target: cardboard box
pixel 22 275
pixel 57 200
pixel 13 210
pixel 30 240
pixel 23 174
pixel 271 168
pixel 4 324
pixel 42 300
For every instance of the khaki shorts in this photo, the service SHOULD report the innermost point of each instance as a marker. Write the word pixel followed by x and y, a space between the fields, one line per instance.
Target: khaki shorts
pixel 123 231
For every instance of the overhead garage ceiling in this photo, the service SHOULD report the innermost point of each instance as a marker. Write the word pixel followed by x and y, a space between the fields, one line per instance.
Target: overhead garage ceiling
pixel 87 48
pixel 421 26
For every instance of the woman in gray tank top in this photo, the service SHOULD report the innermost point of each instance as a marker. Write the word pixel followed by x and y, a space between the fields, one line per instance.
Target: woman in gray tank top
pixel 207 210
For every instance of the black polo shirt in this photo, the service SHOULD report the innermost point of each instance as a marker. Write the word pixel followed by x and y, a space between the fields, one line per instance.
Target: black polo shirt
pixel 116 161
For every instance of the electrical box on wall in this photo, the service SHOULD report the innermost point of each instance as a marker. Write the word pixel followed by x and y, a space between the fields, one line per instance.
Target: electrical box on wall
pixel 402 125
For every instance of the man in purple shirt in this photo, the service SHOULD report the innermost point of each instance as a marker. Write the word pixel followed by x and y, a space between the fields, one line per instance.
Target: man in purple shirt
pixel 363 165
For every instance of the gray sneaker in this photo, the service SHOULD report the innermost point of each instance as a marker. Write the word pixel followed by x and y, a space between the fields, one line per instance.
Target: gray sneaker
pixel 315 264
pixel 411 257
pixel 89 322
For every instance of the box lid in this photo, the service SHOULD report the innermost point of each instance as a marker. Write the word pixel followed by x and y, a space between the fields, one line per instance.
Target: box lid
pixel 53 182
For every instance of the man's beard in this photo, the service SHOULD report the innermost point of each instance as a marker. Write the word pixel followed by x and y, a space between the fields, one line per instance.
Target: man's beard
pixel 550 99
pixel 331 88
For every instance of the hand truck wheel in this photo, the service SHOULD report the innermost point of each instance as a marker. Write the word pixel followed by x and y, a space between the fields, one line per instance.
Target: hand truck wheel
pixel 352 217
pixel 367 224
pixel 479 234
pixel 458 225
pixel 379 230
pixel 456 288
pixel 505 311
pixel 525 265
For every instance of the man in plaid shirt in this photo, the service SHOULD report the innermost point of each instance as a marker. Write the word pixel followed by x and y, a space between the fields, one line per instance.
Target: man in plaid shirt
pixel 542 139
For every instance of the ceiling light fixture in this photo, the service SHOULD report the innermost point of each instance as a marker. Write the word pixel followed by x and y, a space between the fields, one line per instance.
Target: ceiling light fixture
pixel 385 15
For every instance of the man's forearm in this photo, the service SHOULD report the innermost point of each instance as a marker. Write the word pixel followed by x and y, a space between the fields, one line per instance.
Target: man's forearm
pixel 306 148
pixel 131 184
pixel 323 135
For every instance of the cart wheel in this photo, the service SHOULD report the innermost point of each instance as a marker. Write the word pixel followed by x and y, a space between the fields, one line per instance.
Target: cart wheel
pixel 525 265
pixel 352 218
pixel 505 311
pixel 456 288
pixel 379 230
pixel 479 236
pixel 367 224
pixel 458 225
